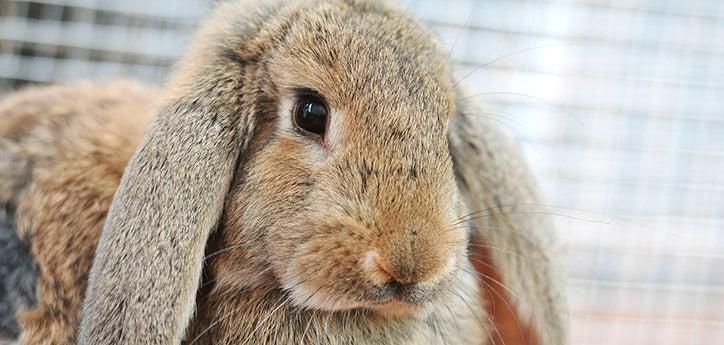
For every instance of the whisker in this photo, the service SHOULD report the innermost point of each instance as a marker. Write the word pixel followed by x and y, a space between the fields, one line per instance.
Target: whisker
pixel 524 236
pixel 229 248
pixel 265 291
pixel 261 323
pixel 504 250
pixel 509 290
pixel 622 219
pixel 490 322
pixel 256 242
pixel 462 30
pixel 566 208
pixel 551 104
pixel 309 322
pixel 507 305
pixel 454 319
pixel 518 134
pixel 524 50
pixel 546 213
pixel 216 322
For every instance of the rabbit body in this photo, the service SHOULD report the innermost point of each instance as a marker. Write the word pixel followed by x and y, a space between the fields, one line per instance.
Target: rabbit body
pixel 62 153
pixel 225 223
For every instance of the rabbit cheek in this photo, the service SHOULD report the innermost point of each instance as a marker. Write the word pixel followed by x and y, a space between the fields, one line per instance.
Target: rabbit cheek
pixel 261 222
pixel 323 272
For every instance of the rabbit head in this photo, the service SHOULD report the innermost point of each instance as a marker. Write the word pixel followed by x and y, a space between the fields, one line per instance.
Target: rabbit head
pixel 348 197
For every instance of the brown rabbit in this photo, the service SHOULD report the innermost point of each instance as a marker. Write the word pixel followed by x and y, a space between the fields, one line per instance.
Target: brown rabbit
pixel 312 175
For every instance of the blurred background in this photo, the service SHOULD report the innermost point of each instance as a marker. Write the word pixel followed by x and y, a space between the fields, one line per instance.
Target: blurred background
pixel 619 105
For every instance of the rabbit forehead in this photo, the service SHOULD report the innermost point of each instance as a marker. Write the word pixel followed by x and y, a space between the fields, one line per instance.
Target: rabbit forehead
pixel 364 61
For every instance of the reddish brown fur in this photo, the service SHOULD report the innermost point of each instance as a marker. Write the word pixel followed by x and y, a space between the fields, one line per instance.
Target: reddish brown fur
pixel 508 327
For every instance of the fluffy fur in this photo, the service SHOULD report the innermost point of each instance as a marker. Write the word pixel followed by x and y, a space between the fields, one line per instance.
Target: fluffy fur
pixel 68 147
pixel 230 226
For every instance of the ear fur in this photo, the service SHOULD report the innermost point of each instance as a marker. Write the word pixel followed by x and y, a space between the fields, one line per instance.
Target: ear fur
pixel 148 263
pixel 512 245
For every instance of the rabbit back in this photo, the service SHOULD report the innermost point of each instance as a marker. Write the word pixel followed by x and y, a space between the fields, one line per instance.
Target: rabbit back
pixel 62 152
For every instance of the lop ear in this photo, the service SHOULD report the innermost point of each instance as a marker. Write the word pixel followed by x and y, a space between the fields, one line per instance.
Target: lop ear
pixel 512 247
pixel 148 263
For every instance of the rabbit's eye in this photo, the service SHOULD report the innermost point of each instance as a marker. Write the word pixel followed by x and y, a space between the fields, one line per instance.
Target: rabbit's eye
pixel 310 114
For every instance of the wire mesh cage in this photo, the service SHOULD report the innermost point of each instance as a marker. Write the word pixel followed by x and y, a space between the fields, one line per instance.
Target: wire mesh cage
pixel 619 105
pixel 59 41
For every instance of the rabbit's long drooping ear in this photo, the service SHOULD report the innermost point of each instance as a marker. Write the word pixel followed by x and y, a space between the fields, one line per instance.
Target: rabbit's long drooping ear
pixel 513 243
pixel 148 263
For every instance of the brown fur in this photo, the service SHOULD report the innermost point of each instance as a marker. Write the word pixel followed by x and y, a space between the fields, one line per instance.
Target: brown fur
pixel 71 143
pixel 295 219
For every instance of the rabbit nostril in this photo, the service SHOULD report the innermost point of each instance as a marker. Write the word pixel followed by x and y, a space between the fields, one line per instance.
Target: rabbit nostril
pixel 393 286
pixel 413 293
pixel 376 268
pixel 390 289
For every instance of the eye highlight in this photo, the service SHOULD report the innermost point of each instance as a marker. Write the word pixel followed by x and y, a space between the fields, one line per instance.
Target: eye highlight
pixel 311 113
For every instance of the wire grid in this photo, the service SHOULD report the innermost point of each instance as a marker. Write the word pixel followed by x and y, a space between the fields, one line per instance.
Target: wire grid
pixel 619 104
pixel 50 41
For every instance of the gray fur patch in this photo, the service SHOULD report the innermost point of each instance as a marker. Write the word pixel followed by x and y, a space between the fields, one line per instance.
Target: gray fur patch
pixel 18 276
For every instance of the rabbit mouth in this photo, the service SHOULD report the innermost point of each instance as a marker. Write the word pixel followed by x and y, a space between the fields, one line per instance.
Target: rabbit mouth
pixel 403 300
pixel 395 308
pixel 391 301
pixel 396 303
pixel 412 294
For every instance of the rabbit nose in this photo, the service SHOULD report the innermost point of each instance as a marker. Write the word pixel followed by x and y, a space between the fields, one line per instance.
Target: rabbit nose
pixel 405 272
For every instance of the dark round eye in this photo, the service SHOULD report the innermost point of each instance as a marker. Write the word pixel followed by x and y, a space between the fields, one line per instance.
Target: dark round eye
pixel 310 115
